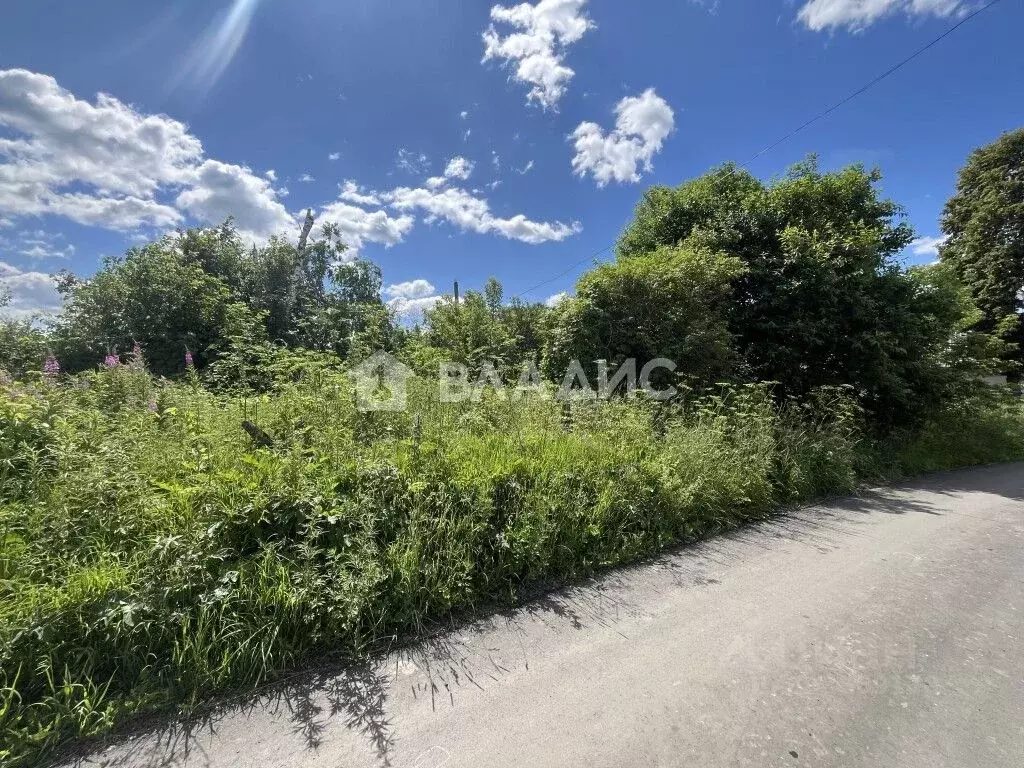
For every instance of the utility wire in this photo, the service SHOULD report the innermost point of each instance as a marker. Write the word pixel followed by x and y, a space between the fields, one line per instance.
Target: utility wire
pixel 820 116
pixel 567 270
pixel 892 70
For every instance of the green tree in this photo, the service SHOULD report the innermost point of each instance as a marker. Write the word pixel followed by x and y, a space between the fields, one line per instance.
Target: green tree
pixel 482 327
pixel 468 331
pixel 202 289
pixel 219 251
pixel 526 324
pixel 154 297
pixel 291 284
pixel 822 299
pixel 494 295
pixel 671 303
pixel 948 304
pixel 984 222
pixel 349 317
pixel 23 343
pixel 356 282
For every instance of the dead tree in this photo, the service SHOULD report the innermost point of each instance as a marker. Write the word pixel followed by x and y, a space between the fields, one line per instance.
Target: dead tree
pixel 307 227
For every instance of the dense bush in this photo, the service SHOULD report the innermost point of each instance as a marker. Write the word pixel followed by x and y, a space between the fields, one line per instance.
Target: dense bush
pixel 23 346
pixel 200 290
pixel 672 304
pixel 821 299
pixel 150 554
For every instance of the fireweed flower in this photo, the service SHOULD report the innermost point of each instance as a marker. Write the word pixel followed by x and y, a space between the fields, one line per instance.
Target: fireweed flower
pixel 111 361
pixel 51 367
pixel 137 360
pixel 188 360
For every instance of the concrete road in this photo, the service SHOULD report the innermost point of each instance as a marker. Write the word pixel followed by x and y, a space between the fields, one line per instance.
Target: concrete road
pixel 880 631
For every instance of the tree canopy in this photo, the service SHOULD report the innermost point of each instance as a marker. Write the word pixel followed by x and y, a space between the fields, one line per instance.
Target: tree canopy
pixel 671 303
pixel 984 224
pixel 795 281
pixel 821 299
pixel 202 291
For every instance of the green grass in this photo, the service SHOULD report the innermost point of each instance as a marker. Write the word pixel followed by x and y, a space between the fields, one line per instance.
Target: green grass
pixel 150 556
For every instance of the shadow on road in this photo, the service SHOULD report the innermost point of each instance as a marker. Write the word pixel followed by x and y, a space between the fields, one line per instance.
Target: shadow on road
pixel 309 700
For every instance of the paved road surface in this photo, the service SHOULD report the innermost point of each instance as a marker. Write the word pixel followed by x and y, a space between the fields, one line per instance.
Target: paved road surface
pixel 881 631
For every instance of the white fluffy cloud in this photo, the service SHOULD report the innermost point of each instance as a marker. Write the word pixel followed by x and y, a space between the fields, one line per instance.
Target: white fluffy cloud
pixel 29 292
pixel 458 168
pixel 220 190
pixel 120 213
pixel 927 246
pixel 412 309
pixel 359 226
pixel 465 210
pixel 353 193
pixel 409 299
pixel 537 48
pixel 856 15
pixel 412 289
pixel 105 164
pixel 642 124
pixel 473 214
pixel 107 144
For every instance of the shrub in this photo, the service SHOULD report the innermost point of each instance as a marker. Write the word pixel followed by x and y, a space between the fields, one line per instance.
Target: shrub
pixel 151 555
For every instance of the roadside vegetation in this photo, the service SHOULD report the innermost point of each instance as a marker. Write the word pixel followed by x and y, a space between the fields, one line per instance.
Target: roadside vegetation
pixel 153 552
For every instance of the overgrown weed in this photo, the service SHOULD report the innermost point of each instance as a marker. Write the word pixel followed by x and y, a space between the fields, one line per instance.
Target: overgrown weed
pixel 151 555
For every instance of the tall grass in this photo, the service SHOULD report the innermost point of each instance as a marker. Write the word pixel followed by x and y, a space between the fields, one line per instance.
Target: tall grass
pixel 151 555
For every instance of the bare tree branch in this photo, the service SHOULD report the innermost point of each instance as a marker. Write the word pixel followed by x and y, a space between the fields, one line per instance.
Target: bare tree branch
pixel 306 228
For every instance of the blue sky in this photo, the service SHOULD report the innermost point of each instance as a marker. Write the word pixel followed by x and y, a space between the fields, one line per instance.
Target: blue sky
pixel 457 140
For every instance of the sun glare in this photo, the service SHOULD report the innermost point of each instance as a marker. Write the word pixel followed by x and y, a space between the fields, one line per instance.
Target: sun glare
pixel 214 51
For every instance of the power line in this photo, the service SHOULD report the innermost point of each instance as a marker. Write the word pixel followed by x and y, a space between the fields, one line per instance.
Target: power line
pixel 892 70
pixel 820 116
pixel 567 270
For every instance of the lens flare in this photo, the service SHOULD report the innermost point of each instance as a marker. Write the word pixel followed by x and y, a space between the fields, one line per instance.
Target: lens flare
pixel 216 48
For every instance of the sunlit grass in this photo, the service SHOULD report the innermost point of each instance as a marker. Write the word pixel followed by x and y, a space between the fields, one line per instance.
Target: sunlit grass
pixel 150 555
